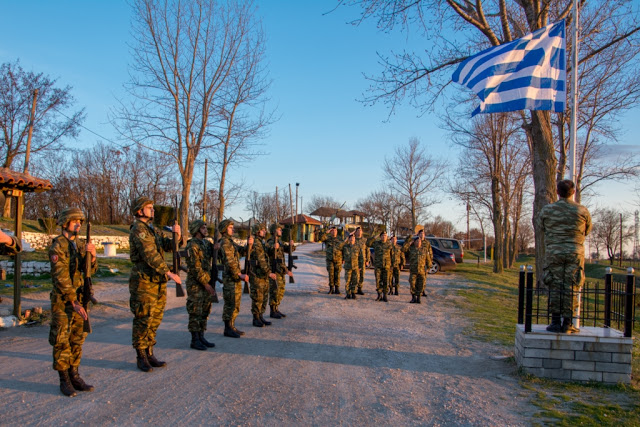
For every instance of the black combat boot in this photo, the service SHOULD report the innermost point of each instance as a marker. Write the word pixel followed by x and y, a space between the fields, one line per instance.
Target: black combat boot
pixel 204 341
pixel 336 290
pixel 384 297
pixel 65 384
pixel 257 322
pixel 360 292
pixel 353 295
pixel 196 344
pixel 568 327
pixel 555 326
pixel 233 326
pixel 143 362
pixel 348 295
pixel 418 300
pixel 274 313
pixel 279 312
pixel 330 290
pixel 152 359
pixel 262 319
pixel 379 297
pixel 396 292
pixel 77 382
pixel 413 299
pixel 229 331
pixel 424 293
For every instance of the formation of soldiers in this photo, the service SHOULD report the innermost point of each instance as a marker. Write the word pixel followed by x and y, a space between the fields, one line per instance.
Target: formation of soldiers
pixel 389 258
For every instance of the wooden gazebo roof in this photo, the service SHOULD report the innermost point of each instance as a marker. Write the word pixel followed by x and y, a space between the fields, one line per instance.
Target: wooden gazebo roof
pixel 301 219
pixel 11 180
pixel 326 212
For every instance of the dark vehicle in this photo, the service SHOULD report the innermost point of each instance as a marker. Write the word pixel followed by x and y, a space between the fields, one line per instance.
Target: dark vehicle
pixel 450 245
pixel 442 261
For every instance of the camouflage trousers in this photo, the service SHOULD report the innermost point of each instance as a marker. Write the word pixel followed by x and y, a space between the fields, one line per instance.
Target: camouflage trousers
pixel 351 280
pixel 231 294
pixel 66 335
pixel 276 290
pixel 382 279
pixel 333 268
pixel 563 275
pixel 259 291
pixel 147 301
pixel 417 282
pixel 361 269
pixel 395 277
pixel 198 306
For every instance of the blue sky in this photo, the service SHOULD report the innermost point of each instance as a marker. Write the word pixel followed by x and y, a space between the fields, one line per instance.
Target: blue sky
pixel 325 140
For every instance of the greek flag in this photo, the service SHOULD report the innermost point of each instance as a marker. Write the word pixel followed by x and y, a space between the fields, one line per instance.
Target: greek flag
pixel 526 74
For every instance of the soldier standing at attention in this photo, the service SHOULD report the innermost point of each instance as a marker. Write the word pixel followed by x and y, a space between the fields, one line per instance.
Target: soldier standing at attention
pixel 259 277
pixel 232 277
pixel 420 255
pixel 565 224
pixel 333 254
pixel 199 292
pixel 350 256
pixel 276 251
pixel 363 258
pixel 148 281
pixel 397 262
pixel 382 264
pixel 67 256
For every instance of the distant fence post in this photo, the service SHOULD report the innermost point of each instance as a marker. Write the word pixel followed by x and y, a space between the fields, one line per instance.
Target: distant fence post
pixel 608 280
pixel 521 284
pixel 628 306
pixel 529 303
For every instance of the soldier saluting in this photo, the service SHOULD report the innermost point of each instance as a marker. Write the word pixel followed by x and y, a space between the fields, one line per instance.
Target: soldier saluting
pixel 276 250
pixel 148 281
pixel 333 255
pixel 66 335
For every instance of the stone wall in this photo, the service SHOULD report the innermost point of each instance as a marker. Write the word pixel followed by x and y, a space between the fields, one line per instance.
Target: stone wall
pixel 594 354
pixel 28 267
pixel 43 241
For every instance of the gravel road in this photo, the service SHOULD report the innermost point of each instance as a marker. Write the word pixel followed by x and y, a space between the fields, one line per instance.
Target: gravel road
pixel 330 362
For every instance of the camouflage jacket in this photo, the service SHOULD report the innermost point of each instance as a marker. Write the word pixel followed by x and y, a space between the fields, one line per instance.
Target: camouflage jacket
pixel 67 265
pixel 397 257
pixel 11 249
pixel 565 224
pixel 350 255
pixel 199 261
pixel 146 250
pixel 333 247
pixel 420 258
pixel 281 265
pixel 259 259
pixel 230 252
pixel 363 249
pixel 381 253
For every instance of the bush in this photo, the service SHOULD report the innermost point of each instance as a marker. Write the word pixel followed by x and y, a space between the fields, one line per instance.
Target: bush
pixel 48 225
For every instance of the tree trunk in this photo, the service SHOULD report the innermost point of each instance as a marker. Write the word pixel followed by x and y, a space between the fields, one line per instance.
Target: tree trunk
pixel 498 266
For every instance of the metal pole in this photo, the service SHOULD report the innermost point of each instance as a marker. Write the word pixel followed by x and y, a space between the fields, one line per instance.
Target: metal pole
pixel 608 277
pixel 17 260
pixel 620 261
pixel 628 303
pixel 293 218
pixel 529 300
pixel 574 95
pixel 521 285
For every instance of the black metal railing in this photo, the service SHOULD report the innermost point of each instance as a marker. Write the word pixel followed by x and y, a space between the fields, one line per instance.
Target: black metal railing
pixel 608 306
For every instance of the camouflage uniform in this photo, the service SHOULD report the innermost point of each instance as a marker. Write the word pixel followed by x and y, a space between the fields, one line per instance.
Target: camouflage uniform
pixel 199 264
pixel 565 224
pixel 231 283
pixel 11 249
pixel 397 262
pixel 351 254
pixel 276 287
pixel 363 259
pixel 148 282
pixel 333 253
pixel 419 258
pixel 382 264
pixel 259 277
pixel 66 334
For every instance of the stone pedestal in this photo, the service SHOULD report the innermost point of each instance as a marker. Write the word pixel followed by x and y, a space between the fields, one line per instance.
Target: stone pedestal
pixel 593 354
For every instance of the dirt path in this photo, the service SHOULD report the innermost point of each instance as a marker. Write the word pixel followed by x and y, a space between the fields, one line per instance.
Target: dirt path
pixel 330 362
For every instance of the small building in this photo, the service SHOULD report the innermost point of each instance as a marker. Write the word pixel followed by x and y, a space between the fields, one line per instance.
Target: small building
pixel 307 227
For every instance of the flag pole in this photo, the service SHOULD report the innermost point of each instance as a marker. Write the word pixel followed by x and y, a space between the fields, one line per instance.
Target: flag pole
pixel 574 95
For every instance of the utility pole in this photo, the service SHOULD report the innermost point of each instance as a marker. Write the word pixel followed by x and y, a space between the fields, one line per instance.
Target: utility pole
pixel 32 119
pixel 468 232
pixel 293 218
pixel 277 205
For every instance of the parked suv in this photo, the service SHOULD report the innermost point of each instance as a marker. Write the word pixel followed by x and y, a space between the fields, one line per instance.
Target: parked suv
pixel 449 245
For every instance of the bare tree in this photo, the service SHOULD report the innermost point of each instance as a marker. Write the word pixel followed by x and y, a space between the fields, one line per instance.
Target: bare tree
pixel 319 201
pixel 440 227
pixel 52 122
pixel 186 61
pixel 412 174
pixel 606 231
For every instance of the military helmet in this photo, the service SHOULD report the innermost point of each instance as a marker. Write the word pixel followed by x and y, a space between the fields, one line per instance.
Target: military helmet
pixel 194 226
pixel 224 224
pixel 274 227
pixel 255 228
pixel 139 203
pixel 70 214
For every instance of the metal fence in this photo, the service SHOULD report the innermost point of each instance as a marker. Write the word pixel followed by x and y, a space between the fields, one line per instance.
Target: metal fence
pixel 608 306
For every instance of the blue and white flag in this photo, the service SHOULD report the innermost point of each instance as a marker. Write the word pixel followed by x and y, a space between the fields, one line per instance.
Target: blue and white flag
pixel 526 74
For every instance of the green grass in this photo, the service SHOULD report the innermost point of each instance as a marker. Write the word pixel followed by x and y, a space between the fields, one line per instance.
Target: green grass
pixel 491 301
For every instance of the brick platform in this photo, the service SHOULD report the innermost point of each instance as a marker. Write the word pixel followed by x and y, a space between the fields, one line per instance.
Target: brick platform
pixel 593 354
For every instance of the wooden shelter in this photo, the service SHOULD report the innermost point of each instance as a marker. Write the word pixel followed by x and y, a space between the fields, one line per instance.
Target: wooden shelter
pixel 307 227
pixel 15 184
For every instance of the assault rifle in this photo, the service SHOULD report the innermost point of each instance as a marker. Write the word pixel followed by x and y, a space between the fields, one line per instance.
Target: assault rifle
pixel 87 287
pixel 214 276
pixel 290 264
pixel 176 252
pixel 247 261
